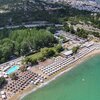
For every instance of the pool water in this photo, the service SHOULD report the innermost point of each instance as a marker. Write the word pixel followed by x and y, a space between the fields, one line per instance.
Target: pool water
pixel 12 69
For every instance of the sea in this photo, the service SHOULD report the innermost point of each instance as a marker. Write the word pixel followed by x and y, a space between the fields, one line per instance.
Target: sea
pixel 81 83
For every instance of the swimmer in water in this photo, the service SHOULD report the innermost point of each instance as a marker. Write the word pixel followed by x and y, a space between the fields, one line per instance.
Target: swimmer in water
pixel 83 79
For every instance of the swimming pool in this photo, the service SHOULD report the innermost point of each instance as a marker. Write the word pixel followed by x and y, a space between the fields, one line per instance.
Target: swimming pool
pixel 12 69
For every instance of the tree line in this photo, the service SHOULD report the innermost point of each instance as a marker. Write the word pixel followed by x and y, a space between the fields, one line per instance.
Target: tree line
pixel 44 54
pixel 15 43
pixel 80 32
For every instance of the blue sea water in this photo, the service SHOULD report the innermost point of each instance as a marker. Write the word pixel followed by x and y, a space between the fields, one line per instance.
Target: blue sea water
pixel 81 83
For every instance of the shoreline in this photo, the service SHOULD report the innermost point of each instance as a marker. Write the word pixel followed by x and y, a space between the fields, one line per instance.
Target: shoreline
pixel 52 78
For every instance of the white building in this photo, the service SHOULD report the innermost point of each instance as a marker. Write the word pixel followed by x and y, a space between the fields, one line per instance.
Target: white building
pixel 67 53
pixel 87 44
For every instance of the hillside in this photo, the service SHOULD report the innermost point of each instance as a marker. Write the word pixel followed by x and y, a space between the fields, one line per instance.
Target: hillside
pixel 19 12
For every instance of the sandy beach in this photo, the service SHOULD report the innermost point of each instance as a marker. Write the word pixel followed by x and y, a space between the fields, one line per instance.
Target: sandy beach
pixel 32 88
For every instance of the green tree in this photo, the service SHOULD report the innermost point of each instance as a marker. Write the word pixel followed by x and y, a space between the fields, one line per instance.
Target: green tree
pixel 59 48
pixel 47 52
pixel 2 81
pixel 41 58
pixel 23 68
pixel 24 41
pixel 75 49
pixel 66 27
pixel 72 30
pixel 13 76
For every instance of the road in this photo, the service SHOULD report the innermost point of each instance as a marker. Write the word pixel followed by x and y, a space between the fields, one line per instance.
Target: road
pixel 30 25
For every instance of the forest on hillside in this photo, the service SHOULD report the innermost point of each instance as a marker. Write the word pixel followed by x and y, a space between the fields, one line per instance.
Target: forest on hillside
pixel 28 11
pixel 23 41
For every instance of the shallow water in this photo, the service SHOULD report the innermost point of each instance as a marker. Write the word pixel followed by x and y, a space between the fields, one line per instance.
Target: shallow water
pixel 81 83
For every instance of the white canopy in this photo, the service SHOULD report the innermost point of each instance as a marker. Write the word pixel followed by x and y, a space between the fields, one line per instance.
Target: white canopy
pixel 88 44
pixel 5 76
pixel 32 81
pixel 28 68
pixel 3 96
pixel 41 80
pixel 2 92
pixel 6 68
pixel 67 53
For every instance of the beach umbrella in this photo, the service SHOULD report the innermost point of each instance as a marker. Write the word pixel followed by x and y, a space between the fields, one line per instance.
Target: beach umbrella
pixel 41 80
